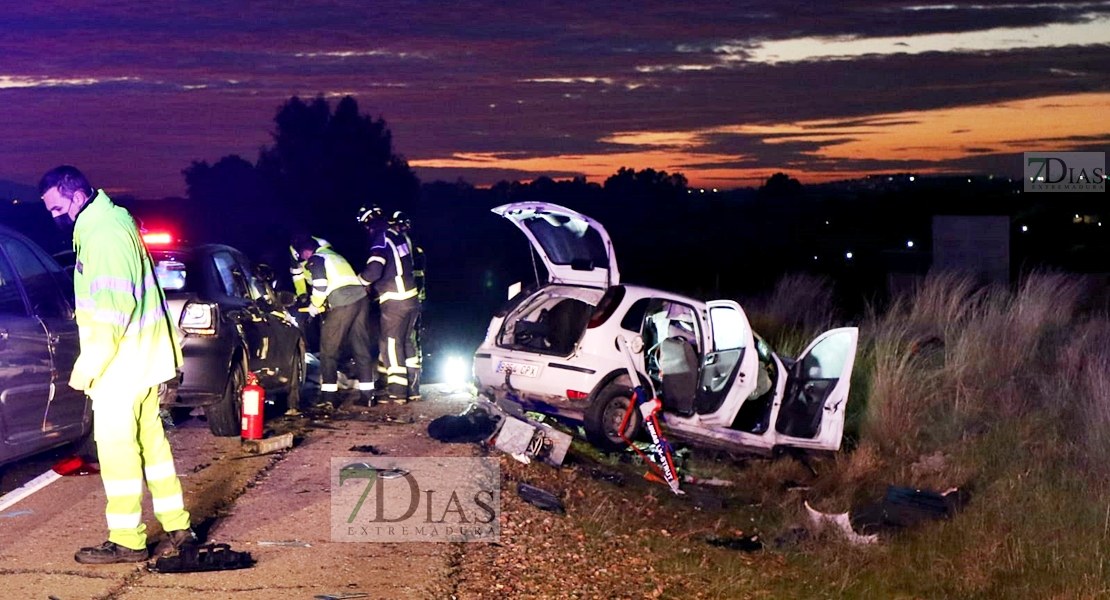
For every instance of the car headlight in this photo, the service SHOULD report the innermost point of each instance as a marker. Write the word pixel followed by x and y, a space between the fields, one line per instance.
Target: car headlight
pixel 199 318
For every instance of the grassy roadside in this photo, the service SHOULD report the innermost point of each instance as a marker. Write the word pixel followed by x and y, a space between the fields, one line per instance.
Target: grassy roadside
pixel 1002 392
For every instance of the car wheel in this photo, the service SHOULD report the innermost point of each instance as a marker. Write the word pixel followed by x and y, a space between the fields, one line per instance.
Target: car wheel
pixel 604 415
pixel 296 382
pixel 224 416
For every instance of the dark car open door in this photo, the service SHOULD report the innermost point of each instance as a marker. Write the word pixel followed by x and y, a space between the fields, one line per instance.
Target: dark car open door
pixel 25 369
pixel 49 293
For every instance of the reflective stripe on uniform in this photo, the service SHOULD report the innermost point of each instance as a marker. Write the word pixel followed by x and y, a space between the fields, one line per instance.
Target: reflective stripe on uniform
pixel 129 521
pixel 123 487
pixel 162 505
pixel 413 362
pixel 365 385
pixel 160 471
pixel 397 380
pixel 329 387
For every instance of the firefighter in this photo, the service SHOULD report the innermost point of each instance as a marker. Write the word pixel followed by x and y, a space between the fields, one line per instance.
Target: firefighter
pixel 336 286
pixel 401 224
pixel 128 350
pixel 389 273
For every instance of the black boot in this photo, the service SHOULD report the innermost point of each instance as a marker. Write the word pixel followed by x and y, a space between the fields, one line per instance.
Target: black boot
pixel 110 553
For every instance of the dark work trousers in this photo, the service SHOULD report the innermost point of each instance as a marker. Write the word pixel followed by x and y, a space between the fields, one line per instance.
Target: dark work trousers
pixel 396 349
pixel 348 322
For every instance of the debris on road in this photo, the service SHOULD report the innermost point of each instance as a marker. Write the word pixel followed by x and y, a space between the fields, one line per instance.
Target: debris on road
pixel 200 558
pixel 750 543
pixel 17 513
pixel 475 424
pixel 542 499
pixel 367 448
pixel 295 544
pixel 340 596
pixel 68 467
pixel 532 440
pixel 268 445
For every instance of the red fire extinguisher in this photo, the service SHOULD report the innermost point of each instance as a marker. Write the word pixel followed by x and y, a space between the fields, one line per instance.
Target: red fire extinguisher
pixel 253 398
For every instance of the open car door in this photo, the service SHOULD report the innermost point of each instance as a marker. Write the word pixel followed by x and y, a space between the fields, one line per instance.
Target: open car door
pixel 729 369
pixel 575 248
pixel 813 406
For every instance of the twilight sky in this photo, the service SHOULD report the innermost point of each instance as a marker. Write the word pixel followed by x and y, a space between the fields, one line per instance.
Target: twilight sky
pixel 726 92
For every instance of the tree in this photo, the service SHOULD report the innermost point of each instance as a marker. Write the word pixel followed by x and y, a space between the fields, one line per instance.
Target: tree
pixel 780 185
pixel 327 165
pixel 226 199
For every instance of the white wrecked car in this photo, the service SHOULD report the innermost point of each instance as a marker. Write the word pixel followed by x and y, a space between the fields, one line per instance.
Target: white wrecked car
pixel 565 350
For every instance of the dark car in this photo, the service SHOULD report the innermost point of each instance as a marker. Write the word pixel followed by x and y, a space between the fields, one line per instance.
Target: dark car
pixel 38 346
pixel 230 322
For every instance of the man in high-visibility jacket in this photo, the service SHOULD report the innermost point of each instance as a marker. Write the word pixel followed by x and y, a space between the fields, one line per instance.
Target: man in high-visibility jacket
pixel 128 349
pixel 336 287
pixel 296 269
pixel 389 272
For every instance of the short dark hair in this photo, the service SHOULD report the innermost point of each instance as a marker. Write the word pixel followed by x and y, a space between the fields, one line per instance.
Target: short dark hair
pixel 304 242
pixel 68 180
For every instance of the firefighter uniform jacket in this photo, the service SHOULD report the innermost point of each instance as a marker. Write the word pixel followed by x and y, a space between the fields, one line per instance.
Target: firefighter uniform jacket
pixel 418 266
pixel 333 279
pixel 126 329
pixel 389 270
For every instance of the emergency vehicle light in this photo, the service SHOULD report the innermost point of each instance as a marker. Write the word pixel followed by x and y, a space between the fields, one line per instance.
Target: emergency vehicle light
pixel 158 238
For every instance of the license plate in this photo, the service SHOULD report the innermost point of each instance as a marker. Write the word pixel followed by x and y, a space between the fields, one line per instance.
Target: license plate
pixel 518 369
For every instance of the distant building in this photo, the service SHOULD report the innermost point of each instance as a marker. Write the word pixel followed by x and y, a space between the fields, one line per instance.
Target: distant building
pixel 975 244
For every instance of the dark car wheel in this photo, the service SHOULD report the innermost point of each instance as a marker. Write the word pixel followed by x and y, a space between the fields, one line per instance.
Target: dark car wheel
pixel 296 380
pixel 224 416
pixel 604 415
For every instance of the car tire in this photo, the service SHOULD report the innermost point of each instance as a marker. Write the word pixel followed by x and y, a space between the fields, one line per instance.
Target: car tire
pixel 296 383
pixel 604 415
pixel 224 416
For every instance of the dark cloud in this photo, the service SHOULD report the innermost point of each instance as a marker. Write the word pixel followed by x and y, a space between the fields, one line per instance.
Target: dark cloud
pixel 178 81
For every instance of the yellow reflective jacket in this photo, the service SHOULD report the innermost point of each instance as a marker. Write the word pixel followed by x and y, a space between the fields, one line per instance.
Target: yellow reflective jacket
pixel 126 329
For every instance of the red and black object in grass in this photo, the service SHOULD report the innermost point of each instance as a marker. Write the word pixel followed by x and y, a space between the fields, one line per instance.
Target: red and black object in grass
pixel 662 463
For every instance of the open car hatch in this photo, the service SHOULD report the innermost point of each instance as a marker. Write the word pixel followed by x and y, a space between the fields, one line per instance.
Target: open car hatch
pixel 575 248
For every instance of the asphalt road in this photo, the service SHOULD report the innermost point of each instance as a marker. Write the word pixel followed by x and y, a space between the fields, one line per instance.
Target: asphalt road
pixel 275 506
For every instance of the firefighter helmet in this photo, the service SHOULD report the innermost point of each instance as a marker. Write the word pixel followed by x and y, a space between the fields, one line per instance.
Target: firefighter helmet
pixel 401 221
pixel 367 214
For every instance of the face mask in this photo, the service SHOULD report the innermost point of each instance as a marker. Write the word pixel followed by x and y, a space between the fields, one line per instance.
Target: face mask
pixel 64 222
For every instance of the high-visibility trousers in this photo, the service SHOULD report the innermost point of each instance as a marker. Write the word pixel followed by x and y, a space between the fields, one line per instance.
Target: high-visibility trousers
pixel 131 445
pixel 348 322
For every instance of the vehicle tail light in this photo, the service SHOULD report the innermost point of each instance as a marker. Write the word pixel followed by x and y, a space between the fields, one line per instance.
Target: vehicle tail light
pixel 577 395
pixel 158 238
pixel 607 306
pixel 199 318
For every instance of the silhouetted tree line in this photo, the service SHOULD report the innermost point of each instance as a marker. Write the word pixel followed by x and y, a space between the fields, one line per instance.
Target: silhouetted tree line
pixel 323 165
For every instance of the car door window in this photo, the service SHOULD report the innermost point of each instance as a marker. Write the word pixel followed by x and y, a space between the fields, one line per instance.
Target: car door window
pixel 226 268
pixel 39 279
pixel 11 298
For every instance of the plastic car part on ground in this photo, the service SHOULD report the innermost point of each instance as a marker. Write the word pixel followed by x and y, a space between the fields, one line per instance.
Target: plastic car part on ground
pixel 67 467
pixel 541 499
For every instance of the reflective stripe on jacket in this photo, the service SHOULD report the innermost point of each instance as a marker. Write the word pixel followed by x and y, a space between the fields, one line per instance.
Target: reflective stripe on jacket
pixel 126 328
pixel 329 272
pixel 389 269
